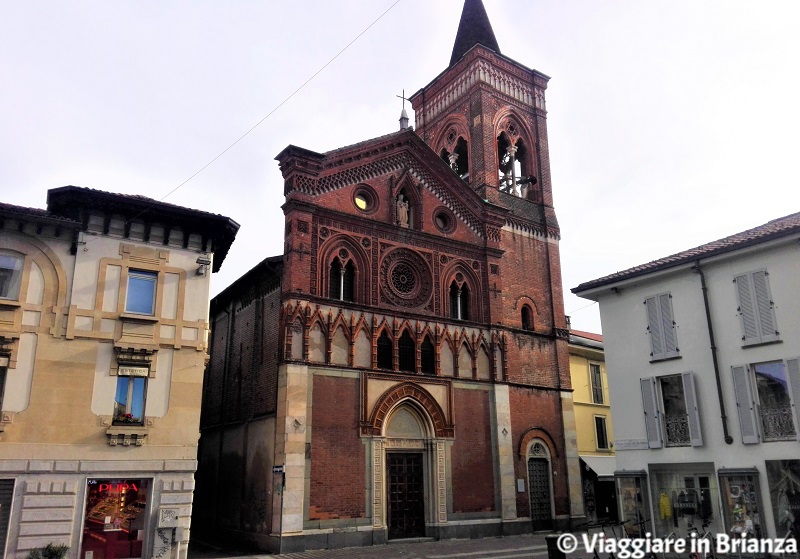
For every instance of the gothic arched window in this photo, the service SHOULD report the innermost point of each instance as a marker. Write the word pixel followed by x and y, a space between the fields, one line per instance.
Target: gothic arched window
pixel 427 357
pixel 458 159
pixel 459 301
pixel 385 352
pixel 342 281
pixel 527 318
pixel 513 175
pixel 407 353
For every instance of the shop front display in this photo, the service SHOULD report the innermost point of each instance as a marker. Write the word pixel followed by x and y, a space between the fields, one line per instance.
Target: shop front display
pixel 634 506
pixel 784 493
pixel 741 502
pixel 685 498
pixel 114 521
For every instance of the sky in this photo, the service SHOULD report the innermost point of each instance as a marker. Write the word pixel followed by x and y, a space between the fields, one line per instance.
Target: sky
pixel 671 123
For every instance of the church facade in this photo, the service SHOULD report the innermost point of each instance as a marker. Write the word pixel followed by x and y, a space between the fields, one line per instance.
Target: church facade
pixel 402 369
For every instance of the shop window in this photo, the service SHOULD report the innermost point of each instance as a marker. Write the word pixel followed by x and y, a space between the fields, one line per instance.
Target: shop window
pixel 385 352
pixel 766 394
pixel 115 519
pixel 661 327
pixel 129 400
pixel 783 479
pixel 686 499
pixel 634 506
pixel 756 308
pixel 428 357
pixel 597 383
pixel 601 433
pixel 407 353
pixel 141 296
pixel 10 276
pixel 671 413
pixel 741 502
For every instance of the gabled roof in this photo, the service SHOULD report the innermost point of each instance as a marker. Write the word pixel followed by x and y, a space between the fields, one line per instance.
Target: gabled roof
pixel 474 28
pixel 775 229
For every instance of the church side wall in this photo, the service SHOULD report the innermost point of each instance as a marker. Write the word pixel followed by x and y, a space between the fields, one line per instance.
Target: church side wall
pixel 235 481
pixel 536 416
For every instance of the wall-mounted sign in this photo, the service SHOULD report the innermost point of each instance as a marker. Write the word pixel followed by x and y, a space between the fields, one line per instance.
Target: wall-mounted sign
pixel 278 469
pixel 127 371
pixel 630 444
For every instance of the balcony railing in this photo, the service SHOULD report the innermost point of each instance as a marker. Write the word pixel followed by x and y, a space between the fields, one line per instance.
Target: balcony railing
pixel 777 423
pixel 677 430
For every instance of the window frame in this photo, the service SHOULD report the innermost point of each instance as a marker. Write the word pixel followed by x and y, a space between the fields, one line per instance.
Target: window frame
pixel 602 420
pixel 129 399
pixel 596 389
pixel 653 407
pixel 139 275
pixel 661 326
pixel 756 308
pixel 15 277
pixel 748 402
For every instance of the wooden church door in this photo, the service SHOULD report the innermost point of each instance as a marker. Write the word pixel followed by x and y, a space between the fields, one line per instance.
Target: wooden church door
pixel 406 489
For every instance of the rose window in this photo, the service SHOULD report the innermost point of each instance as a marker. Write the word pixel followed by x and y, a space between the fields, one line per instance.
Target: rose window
pixel 406 279
pixel 403 278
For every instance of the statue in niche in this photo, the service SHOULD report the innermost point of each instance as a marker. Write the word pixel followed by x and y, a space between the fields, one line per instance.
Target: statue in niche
pixel 402 211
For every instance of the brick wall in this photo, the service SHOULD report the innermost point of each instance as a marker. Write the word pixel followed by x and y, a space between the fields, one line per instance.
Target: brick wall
pixel 338 472
pixel 539 410
pixel 472 462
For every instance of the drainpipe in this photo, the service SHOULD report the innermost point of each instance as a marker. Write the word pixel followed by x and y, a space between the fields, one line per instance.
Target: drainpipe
pixel 696 268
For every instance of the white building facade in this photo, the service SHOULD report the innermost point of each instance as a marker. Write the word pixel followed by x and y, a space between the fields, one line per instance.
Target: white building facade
pixel 703 354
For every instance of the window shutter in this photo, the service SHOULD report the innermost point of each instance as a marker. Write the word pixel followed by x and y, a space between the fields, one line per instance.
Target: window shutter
pixel 668 325
pixel 692 412
pixel 749 328
pixel 652 421
pixel 654 326
pixel 766 314
pixel 745 404
pixel 793 374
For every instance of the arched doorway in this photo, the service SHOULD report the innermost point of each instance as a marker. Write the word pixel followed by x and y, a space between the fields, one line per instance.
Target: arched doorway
pixel 540 486
pixel 405 477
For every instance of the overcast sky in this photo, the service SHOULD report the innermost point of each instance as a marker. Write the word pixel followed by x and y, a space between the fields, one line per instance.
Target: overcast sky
pixel 671 123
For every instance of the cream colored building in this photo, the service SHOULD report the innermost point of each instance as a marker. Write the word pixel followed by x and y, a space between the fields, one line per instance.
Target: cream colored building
pixel 593 424
pixel 103 327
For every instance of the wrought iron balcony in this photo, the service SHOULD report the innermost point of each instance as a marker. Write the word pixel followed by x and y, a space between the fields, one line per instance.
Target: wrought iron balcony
pixel 677 430
pixel 777 423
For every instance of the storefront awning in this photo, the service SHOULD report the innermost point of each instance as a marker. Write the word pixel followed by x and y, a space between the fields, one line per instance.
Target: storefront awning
pixel 603 466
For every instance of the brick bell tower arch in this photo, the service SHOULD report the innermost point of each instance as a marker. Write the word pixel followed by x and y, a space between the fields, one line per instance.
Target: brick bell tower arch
pixel 409 431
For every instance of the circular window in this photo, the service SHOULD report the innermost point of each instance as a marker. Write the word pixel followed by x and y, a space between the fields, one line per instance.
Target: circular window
pixel 365 199
pixel 406 279
pixel 403 278
pixel 444 220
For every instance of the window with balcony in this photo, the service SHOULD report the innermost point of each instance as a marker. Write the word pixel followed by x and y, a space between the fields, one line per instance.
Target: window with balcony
pixel 766 398
pixel 671 413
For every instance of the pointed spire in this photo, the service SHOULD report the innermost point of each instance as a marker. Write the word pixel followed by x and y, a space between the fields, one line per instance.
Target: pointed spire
pixel 474 28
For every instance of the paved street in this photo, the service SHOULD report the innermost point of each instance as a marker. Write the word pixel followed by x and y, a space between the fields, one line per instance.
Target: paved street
pixel 512 547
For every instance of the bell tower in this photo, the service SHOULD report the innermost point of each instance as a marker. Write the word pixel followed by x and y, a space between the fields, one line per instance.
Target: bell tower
pixel 485 115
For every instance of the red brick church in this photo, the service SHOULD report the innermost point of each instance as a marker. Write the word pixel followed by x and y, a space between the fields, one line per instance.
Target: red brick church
pixel 402 369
